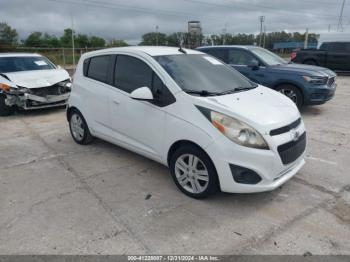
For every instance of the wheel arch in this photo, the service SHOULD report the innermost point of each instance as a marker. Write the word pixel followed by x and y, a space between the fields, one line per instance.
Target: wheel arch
pixel 291 83
pixel 176 145
pixel 311 59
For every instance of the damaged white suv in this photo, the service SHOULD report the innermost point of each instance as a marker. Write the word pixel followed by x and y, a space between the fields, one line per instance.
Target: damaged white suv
pixel 31 81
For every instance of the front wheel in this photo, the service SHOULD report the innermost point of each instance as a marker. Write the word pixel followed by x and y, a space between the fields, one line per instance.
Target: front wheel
pixel 193 172
pixel 293 93
pixel 79 128
pixel 5 110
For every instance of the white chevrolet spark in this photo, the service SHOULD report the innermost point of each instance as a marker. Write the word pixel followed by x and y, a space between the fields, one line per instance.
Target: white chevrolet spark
pixel 210 125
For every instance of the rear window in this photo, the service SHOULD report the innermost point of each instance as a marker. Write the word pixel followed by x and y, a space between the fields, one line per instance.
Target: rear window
pixel 24 63
pixel 98 68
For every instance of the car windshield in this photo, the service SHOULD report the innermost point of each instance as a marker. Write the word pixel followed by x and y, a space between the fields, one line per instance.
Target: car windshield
pixel 24 63
pixel 268 57
pixel 203 74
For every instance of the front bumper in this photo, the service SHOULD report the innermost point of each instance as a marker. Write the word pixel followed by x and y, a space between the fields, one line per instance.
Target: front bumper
pixel 30 101
pixel 318 95
pixel 266 163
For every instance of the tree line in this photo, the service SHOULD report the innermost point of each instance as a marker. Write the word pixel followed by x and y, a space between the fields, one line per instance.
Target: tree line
pixel 9 37
pixel 174 39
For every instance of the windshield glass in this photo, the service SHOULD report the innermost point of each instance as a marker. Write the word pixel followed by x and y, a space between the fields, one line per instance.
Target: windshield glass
pixel 268 57
pixel 24 63
pixel 197 72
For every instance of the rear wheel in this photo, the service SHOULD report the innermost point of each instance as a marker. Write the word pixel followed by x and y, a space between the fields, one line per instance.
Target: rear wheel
pixel 79 128
pixel 193 172
pixel 293 93
pixel 5 110
pixel 310 62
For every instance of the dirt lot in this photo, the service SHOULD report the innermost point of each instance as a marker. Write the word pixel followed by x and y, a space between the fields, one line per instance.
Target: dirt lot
pixel 57 197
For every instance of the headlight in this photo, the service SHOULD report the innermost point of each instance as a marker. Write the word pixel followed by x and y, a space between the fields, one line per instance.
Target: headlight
pixel 316 80
pixel 237 131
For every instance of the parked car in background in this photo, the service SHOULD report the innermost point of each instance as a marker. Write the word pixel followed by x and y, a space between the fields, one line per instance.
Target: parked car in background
pixel 31 81
pixel 330 54
pixel 209 124
pixel 303 84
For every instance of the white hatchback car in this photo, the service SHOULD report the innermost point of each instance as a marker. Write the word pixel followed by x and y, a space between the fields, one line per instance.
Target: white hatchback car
pixel 209 124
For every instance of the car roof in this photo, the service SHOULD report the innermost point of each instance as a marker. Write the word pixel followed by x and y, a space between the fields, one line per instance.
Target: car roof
pixel 247 47
pixel 18 54
pixel 150 50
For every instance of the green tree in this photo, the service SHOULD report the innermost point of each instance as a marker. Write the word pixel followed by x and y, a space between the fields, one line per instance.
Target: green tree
pixel 82 40
pixel 34 40
pixel 66 38
pixel 152 38
pixel 117 43
pixel 8 35
pixel 96 41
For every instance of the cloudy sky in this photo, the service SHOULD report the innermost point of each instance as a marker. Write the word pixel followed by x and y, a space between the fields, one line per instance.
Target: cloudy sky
pixel 129 19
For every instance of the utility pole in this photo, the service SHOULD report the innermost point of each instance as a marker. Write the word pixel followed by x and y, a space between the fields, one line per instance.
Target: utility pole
pixel 73 49
pixel 306 43
pixel 340 22
pixel 224 31
pixel 264 36
pixel 329 28
pixel 262 20
pixel 157 27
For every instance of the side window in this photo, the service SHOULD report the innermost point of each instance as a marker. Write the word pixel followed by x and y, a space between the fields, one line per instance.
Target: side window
pixel 162 95
pixel 218 53
pixel 131 73
pixel 340 47
pixel 239 57
pixel 98 68
pixel 325 46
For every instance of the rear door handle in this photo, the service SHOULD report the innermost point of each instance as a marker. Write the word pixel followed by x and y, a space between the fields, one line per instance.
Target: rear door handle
pixel 116 102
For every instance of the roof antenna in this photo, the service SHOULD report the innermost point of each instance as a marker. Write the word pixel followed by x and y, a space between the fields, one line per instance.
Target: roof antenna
pixel 181 49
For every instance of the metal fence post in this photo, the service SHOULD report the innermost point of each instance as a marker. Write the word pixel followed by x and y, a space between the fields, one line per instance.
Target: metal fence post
pixel 64 57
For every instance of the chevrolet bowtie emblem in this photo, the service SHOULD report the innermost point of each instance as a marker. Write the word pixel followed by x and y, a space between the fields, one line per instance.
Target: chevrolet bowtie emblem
pixel 294 134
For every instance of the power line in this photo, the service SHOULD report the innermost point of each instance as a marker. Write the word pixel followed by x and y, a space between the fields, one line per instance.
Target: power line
pixel 251 6
pixel 340 23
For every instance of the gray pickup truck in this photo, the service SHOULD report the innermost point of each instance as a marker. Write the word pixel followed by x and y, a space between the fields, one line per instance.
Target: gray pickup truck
pixel 332 55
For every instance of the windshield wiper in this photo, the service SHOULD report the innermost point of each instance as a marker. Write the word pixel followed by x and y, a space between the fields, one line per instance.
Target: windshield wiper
pixel 201 92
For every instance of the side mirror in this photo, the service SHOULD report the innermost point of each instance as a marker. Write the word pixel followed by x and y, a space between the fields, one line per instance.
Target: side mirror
pixel 59 67
pixel 253 64
pixel 142 93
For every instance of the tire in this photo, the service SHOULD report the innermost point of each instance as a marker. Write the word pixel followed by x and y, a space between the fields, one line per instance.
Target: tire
pixel 5 110
pixel 79 128
pixel 310 62
pixel 183 172
pixel 293 93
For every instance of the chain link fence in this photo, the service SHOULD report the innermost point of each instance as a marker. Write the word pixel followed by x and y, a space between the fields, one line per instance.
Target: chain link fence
pixel 62 56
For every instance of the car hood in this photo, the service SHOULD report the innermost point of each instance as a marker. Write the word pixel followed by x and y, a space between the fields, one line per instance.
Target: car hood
pixel 304 70
pixel 261 107
pixel 37 78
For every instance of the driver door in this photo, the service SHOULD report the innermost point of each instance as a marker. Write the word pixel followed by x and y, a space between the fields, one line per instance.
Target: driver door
pixel 139 124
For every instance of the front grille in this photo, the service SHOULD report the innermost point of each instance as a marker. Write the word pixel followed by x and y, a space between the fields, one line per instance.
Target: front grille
pixel 290 151
pixel 331 81
pixel 49 90
pixel 286 128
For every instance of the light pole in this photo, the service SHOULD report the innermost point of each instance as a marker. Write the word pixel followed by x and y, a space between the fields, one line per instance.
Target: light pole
pixel 157 27
pixel 262 20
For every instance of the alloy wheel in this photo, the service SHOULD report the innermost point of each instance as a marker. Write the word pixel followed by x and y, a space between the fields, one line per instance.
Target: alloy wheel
pixel 77 127
pixel 191 173
pixel 291 94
